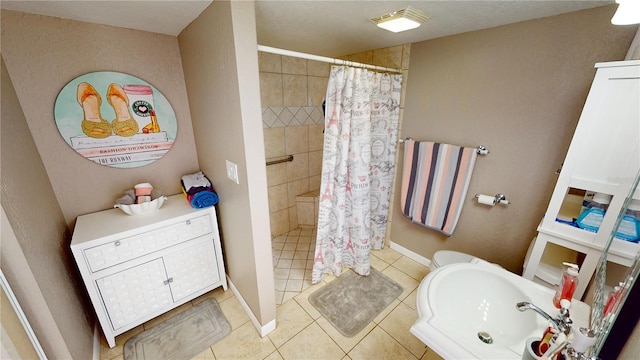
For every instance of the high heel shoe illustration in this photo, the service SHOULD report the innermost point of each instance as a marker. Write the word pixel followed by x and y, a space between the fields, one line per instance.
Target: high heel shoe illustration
pixel 93 125
pixel 124 124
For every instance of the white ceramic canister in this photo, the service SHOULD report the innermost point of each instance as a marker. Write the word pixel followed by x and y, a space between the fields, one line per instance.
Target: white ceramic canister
pixel 140 103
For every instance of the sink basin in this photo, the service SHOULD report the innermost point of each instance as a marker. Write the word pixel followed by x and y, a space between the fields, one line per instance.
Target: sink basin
pixel 468 310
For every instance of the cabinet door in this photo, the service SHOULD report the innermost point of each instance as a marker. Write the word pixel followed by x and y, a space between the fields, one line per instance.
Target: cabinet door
pixel 192 268
pixel 135 293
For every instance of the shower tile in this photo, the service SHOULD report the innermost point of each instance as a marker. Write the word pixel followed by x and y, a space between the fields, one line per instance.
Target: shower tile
pixel 281 274
pixel 301 255
pixel 276 174
pixel 268 62
pixel 295 90
pixel 317 68
pixel 271 89
pixel 298 175
pixel 279 221
pixel 364 57
pixel 274 142
pixel 317 90
pixel 269 117
pixel 290 246
pixel 406 53
pixel 286 116
pixel 316 137
pixel 293 218
pixel 284 264
pixel 389 57
pixel 299 264
pixel 296 274
pixel 302 117
pixel 296 138
pixel 294 65
pixel 315 162
pixel 286 254
pixel 317 115
pixel 280 284
pixel 278 198
pixel 297 187
pixel 314 182
pixel 305 213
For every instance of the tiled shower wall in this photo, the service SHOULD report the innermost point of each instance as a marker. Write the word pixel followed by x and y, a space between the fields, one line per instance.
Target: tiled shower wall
pixel 291 92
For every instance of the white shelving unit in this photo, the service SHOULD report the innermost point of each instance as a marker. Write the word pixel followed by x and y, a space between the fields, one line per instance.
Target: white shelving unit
pixel 138 267
pixel 604 157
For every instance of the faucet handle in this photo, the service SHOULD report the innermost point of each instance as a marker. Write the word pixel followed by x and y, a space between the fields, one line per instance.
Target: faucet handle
pixel 564 318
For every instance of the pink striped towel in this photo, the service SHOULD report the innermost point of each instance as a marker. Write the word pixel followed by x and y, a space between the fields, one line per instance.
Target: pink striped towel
pixel 435 179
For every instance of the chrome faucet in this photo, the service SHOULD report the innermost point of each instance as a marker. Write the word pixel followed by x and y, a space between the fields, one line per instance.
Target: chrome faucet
pixel 563 322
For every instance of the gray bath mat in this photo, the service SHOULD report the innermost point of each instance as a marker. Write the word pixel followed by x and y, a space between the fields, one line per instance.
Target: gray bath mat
pixel 181 337
pixel 352 301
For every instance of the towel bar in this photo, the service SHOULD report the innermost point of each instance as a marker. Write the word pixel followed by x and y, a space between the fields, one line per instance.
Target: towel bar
pixel 480 149
pixel 273 162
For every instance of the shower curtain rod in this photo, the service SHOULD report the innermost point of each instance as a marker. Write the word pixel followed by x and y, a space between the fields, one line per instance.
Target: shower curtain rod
pixel 273 50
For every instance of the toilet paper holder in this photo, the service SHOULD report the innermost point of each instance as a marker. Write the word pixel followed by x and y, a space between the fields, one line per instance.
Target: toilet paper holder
pixel 497 199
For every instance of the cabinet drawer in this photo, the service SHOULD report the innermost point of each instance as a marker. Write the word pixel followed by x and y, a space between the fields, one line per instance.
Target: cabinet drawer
pixel 119 251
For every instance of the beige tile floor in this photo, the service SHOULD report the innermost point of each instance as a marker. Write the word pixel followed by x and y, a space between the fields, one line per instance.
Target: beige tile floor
pixel 301 332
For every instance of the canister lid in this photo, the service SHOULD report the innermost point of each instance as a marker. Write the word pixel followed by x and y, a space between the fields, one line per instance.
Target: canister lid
pixel 634 205
pixel 602 198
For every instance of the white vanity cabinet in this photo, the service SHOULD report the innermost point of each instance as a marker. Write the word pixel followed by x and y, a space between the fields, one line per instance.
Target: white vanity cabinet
pixel 604 156
pixel 138 267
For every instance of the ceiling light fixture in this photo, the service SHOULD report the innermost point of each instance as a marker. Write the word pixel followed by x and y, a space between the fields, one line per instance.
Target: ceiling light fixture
pixel 401 20
pixel 628 13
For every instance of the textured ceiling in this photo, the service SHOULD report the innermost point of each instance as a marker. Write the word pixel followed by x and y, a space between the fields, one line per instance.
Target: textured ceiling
pixel 328 28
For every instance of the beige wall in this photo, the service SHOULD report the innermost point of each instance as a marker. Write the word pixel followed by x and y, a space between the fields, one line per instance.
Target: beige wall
pixel 519 90
pixel 221 70
pixel 35 241
pixel 43 53
pixel 291 93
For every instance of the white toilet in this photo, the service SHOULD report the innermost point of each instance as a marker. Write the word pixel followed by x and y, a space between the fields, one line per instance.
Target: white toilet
pixel 446 257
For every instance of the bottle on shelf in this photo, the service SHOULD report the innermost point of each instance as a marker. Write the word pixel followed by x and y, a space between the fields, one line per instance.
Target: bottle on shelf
pixel 568 284
pixel 612 300
pixel 629 228
pixel 593 213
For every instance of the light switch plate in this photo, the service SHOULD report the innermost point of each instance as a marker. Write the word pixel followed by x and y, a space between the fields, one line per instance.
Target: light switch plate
pixel 232 172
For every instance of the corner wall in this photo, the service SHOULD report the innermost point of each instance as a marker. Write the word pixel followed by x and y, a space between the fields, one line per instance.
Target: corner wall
pixel 519 90
pixel 220 59
pixel 35 256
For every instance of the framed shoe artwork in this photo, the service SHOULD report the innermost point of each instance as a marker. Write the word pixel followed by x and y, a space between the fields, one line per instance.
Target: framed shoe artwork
pixel 115 119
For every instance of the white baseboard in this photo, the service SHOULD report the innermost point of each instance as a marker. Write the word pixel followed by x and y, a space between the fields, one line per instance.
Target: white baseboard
pixel 410 254
pixel 263 330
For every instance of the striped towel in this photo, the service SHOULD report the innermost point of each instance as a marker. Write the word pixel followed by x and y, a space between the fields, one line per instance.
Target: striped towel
pixel 435 179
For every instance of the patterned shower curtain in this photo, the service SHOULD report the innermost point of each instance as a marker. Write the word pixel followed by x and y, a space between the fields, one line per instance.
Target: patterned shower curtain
pixel 360 139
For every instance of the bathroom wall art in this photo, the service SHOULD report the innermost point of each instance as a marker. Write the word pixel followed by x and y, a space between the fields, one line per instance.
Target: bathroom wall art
pixel 115 119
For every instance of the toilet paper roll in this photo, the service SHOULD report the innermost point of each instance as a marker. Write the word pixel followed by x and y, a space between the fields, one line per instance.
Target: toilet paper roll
pixel 486 200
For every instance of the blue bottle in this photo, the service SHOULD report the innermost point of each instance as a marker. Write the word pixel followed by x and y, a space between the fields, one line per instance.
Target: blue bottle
pixel 591 218
pixel 629 228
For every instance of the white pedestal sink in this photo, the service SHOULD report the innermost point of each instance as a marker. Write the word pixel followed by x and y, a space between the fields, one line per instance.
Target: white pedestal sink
pixel 460 305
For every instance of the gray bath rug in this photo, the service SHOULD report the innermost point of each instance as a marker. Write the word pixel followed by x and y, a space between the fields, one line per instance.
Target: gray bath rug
pixel 352 301
pixel 181 337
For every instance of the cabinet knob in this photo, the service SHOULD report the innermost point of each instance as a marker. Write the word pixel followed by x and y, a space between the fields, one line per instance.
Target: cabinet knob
pixel 188 222
pixel 168 281
pixel 117 243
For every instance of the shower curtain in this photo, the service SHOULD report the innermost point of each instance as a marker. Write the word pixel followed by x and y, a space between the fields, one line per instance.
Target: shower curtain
pixel 360 139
